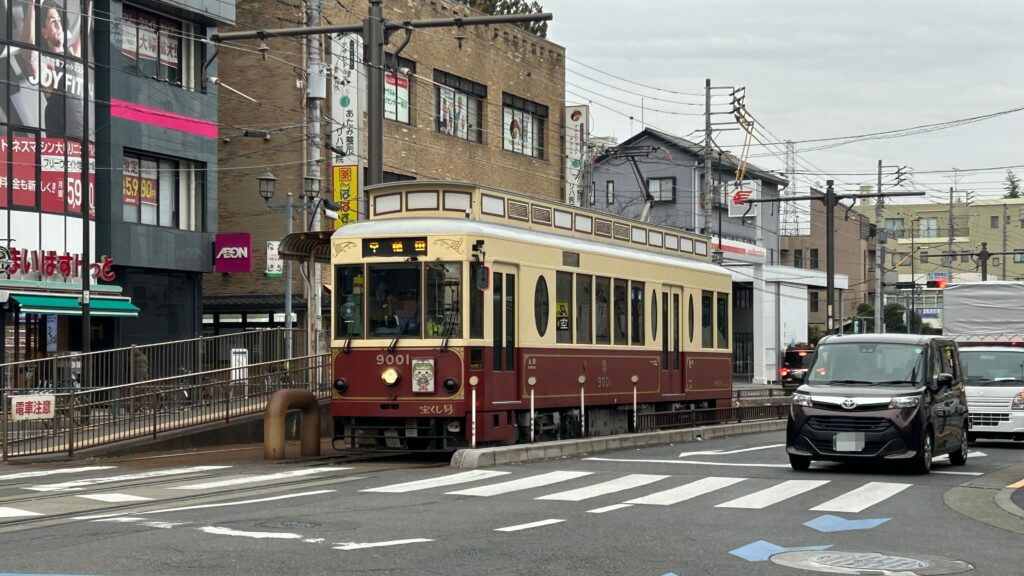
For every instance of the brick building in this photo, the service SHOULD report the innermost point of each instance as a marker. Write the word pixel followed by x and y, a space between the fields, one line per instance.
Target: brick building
pixel 488 74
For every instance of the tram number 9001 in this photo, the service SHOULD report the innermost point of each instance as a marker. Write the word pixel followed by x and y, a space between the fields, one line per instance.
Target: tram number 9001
pixel 392 359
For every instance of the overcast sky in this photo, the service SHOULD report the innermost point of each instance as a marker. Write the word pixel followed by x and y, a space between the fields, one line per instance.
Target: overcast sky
pixel 812 69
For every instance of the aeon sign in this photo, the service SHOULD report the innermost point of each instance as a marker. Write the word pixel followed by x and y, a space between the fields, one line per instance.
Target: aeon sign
pixel 232 252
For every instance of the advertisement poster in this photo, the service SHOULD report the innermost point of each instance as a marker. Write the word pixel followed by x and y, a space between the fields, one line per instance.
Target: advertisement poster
pixel 132 169
pixel 23 170
pixel 74 187
pixel 346 194
pixel 275 265
pixel 738 193
pixel 51 181
pixel 396 97
pixel 576 136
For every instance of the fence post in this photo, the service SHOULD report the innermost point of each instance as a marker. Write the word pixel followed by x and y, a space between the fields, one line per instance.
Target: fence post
pixel 583 406
pixel 71 424
pixel 3 420
pixel 473 381
pixel 634 379
pixel 532 381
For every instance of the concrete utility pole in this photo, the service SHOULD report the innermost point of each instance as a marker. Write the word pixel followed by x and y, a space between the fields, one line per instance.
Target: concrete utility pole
pixel 1006 247
pixel 316 92
pixel 880 240
pixel 949 260
pixel 705 197
pixel 86 194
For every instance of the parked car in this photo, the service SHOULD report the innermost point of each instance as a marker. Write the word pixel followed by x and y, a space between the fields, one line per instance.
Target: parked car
pixel 881 398
pixel 994 377
pixel 795 361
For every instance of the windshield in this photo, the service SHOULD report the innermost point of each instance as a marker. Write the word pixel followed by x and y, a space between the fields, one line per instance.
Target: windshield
pixel 393 299
pixel 798 359
pixel 867 363
pixel 989 368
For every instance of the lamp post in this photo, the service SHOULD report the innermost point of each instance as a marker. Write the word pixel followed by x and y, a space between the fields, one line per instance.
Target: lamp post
pixel 311 191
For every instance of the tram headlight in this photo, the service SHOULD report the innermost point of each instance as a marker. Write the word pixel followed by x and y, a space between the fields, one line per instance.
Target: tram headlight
pixel 340 385
pixel 390 376
pixel 450 385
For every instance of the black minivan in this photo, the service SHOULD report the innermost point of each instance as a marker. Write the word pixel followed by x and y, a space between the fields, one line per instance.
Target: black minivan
pixel 880 397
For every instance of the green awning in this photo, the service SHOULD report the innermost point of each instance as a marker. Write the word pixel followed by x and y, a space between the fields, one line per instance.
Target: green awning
pixel 69 306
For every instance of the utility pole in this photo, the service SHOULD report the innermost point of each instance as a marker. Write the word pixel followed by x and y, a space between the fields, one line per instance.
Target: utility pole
pixel 316 92
pixel 87 195
pixel 880 240
pixel 949 261
pixel 1006 222
pixel 705 197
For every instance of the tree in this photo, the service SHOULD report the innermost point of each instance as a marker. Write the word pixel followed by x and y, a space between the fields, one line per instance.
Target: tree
pixel 895 322
pixel 1012 185
pixel 512 7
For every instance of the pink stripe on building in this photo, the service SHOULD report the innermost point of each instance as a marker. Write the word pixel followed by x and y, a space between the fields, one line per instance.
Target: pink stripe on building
pixel 162 118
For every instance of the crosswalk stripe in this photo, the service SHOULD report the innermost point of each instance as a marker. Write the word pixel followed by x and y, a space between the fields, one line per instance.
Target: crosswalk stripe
pixel 41 473
pixel 260 478
pixel 521 484
pixel 530 525
pixel 79 484
pixel 611 508
pixel 686 491
pixel 775 494
pixel 114 497
pixel 617 485
pixel 6 512
pixel 863 497
pixel 451 479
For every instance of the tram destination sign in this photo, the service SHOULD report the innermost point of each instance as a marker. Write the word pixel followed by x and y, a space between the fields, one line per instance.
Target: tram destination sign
pixel 383 247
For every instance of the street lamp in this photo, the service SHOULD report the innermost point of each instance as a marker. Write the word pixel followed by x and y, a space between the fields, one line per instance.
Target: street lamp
pixel 268 185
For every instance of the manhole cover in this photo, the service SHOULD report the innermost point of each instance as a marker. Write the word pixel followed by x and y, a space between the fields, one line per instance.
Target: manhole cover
pixel 288 524
pixel 845 562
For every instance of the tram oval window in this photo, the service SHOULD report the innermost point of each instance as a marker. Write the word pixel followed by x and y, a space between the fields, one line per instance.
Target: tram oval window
pixel 654 314
pixel 689 318
pixel 541 305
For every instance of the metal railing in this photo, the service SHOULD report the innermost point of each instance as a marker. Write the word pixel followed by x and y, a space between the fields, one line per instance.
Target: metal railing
pixel 691 418
pixel 150 361
pixel 97 416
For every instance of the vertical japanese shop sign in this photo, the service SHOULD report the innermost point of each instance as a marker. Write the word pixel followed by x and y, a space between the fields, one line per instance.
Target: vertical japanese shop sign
pixel 51 180
pixel 23 161
pixel 74 188
pixel 396 97
pixel 346 157
pixel 4 153
pixel 346 192
pixel 275 265
pixel 576 136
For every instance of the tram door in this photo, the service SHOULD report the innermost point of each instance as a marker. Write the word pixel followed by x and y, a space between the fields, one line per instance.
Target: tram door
pixel 503 333
pixel 671 339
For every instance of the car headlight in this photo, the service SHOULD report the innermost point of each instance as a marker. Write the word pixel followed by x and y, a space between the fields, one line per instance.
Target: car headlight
pixel 390 376
pixel 904 402
pixel 801 400
pixel 1018 402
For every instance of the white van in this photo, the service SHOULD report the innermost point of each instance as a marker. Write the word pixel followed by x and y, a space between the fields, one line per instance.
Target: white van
pixel 994 377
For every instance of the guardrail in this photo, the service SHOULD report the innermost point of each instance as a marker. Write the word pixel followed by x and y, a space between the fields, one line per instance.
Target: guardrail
pixel 91 417
pixel 691 418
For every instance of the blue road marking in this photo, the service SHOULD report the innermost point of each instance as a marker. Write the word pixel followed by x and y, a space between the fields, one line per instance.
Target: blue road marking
pixel 762 550
pixel 829 523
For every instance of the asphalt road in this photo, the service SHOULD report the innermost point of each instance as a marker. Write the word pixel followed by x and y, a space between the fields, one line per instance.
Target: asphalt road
pixel 718 507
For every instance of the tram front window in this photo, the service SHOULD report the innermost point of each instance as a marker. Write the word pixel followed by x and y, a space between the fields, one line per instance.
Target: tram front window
pixel 395 301
pixel 444 289
pixel 348 285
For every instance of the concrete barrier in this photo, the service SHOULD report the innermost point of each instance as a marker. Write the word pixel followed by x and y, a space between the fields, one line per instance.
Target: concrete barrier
pixel 526 453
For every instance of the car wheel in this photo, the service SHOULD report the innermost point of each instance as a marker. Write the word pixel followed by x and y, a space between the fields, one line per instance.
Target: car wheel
pixel 799 463
pixel 922 463
pixel 959 457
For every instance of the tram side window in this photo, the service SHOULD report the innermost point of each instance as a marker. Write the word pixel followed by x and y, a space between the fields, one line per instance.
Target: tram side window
pixel 348 286
pixel 602 330
pixel 395 301
pixel 563 307
pixel 476 306
pixel 723 319
pixel 638 327
pixel 541 306
pixel 621 312
pixel 584 303
pixel 444 300
pixel 707 333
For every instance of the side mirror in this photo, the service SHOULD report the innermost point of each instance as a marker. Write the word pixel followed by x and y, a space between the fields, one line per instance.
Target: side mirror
pixel 944 379
pixel 482 280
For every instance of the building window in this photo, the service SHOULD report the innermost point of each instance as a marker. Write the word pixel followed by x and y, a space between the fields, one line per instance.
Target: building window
pixel 894 226
pixel 814 300
pixel 814 258
pixel 1018 256
pixel 662 189
pixel 965 258
pixel 397 86
pixel 459 105
pixel 162 191
pixel 162 48
pixel 523 125
pixel 928 228
pixel 609 192
pixel 798 258
pixel 924 257
pixel 993 222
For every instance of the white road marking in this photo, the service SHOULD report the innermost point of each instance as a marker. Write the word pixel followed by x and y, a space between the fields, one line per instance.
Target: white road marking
pixel 6 512
pixel 361 545
pixel 163 525
pixel 611 508
pixel 261 478
pixel 245 534
pixel 686 491
pixel 239 502
pixel 951 473
pixel 706 463
pixel 723 452
pixel 617 485
pixel 114 497
pixel 451 479
pixel 521 484
pixel 120 519
pixel 40 473
pixel 528 526
pixel 863 497
pixel 79 484
pixel 765 498
pixel 970 454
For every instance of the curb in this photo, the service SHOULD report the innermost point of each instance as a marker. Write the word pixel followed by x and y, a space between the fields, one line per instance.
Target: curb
pixel 527 453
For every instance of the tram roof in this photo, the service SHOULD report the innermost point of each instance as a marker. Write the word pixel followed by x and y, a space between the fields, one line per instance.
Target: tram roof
pixel 430 225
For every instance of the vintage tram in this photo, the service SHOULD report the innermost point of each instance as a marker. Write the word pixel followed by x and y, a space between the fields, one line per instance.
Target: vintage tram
pixel 453 291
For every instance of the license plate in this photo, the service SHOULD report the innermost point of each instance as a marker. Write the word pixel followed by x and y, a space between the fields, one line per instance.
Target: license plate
pixel 848 441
